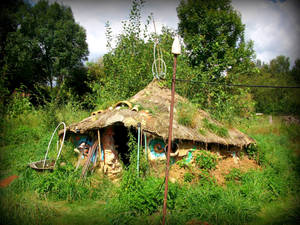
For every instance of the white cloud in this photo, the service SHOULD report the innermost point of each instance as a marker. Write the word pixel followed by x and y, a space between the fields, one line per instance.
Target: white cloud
pixel 274 27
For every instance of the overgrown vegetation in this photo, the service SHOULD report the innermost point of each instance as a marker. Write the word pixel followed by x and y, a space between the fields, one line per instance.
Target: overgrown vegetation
pixel 186 114
pixel 29 114
pixel 248 197
pixel 212 127
pixel 206 160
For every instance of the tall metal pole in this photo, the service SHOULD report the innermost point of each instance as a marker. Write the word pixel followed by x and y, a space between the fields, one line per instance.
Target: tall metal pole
pixel 175 51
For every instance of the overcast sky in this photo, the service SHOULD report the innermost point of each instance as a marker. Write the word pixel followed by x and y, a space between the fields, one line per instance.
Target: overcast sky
pixel 273 25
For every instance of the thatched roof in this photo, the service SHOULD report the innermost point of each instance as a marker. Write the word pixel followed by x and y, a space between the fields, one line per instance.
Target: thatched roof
pixel 154 103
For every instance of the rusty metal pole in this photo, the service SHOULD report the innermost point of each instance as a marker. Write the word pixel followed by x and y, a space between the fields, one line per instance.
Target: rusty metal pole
pixel 175 51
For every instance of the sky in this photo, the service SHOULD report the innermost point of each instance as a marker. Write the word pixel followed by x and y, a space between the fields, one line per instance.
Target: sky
pixel 273 25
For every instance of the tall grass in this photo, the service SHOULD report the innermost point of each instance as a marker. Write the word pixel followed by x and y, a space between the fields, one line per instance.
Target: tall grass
pixel 186 114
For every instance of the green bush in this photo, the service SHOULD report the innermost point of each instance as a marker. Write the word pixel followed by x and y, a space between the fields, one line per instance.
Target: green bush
pixel 206 160
pixel 252 151
pixel 18 105
pixel 65 184
pixel 183 163
pixel 188 177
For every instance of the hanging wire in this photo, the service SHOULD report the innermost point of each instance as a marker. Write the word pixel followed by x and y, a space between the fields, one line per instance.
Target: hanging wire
pixel 235 85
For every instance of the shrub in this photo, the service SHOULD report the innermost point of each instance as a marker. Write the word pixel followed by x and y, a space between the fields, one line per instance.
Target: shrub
pixel 252 152
pixel 188 177
pixel 18 105
pixel 183 163
pixel 65 184
pixel 206 160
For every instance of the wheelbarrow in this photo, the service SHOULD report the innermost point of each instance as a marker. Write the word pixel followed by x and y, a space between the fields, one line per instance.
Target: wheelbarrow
pixel 49 164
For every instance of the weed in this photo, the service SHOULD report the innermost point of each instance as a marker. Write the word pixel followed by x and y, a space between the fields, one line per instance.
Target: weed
pixel 252 151
pixel 19 105
pixel 220 131
pixel 234 175
pixel 188 177
pixel 130 175
pixel 206 160
pixel 183 163
pixel 202 131
pixel 50 118
pixel 186 113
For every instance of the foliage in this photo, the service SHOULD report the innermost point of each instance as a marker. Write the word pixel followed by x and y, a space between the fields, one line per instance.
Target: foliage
pixel 271 100
pixel 214 37
pixel 257 192
pixel 8 10
pixel 206 160
pixel 18 104
pixel 64 184
pixel 127 66
pixel 188 177
pixel 140 193
pixel 295 73
pixel 218 130
pixel 234 175
pixel 130 176
pixel 45 47
pixel 182 163
pixel 252 151
pixel 186 113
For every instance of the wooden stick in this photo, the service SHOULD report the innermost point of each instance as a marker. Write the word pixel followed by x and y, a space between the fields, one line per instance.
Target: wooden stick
pixel 88 161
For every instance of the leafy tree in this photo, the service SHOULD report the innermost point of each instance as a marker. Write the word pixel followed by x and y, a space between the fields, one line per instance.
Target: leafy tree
pixel 8 22
pixel 128 65
pixel 280 65
pixel 46 46
pixel 271 100
pixel 214 36
pixel 296 71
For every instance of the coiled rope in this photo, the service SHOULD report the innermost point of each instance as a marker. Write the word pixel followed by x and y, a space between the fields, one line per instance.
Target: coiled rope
pixel 159 68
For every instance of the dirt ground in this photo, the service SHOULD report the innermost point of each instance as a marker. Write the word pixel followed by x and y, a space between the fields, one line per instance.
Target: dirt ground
pixel 196 222
pixel 5 182
pixel 224 166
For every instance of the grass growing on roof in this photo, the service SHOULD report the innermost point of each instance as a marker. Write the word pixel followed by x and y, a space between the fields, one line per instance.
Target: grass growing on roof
pixel 218 130
pixel 186 113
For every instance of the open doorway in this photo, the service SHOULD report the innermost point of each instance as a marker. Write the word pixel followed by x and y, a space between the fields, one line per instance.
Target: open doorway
pixel 121 140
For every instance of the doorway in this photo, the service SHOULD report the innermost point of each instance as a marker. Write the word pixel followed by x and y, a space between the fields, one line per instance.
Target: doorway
pixel 121 140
